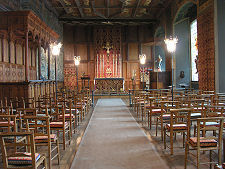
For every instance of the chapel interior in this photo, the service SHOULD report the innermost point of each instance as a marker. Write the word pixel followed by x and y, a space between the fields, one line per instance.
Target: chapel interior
pixel 112 84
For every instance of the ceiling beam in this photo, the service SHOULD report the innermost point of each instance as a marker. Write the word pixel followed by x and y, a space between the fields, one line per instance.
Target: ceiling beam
pixel 96 12
pixel 79 8
pixel 166 5
pixel 64 6
pixel 138 20
pixel 122 6
pixel 136 8
pixel 108 8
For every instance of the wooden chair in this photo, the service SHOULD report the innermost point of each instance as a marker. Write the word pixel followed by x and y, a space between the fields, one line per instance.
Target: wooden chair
pixel 71 116
pixel 155 109
pixel 165 115
pixel 179 122
pixel 79 105
pixel 24 112
pixel 42 137
pixel 211 111
pixel 206 142
pixel 8 123
pixel 20 160
pixel 60 125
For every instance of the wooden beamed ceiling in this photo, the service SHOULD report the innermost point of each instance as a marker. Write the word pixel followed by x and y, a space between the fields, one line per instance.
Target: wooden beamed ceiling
pixel 109 12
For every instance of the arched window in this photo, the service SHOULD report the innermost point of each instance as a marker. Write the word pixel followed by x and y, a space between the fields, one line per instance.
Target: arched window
pixel 194 50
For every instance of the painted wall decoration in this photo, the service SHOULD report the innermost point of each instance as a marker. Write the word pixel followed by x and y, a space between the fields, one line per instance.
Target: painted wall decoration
pixel 52 67
pixel 44 64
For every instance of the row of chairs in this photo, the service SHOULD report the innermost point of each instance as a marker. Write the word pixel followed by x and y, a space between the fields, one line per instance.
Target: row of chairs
pixel 197 115
pixel 52 121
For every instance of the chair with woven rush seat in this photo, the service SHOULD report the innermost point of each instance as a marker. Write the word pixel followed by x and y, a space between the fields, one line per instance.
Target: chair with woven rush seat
pixel 70 116
pixel 42 136
pixel 206 142
pixel 179 122
pixel 164 115
pixel 59 124
pixel 79 105
pixel 21 160
pixel 155 108
pixel 8 122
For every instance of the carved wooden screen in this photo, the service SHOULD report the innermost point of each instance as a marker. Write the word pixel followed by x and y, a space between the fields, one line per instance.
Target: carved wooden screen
pixel 108 54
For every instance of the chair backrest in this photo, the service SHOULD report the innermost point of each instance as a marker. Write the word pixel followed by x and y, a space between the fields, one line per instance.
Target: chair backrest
pixel 202 127
pixel 181 116
pixel 213 111
pixel 168 104
pixel 28 144
pixel 39 125
pixel 8 122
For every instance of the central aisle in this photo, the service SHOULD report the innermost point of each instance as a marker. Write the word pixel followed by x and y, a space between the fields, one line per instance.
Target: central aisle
pixel 113 140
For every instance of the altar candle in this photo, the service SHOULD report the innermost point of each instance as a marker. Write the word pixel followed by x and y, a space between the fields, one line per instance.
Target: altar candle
pixel 116 66
pixel 97 66
pixel 113 67
pixel 120 65
pixel 103 65
pixel 100 65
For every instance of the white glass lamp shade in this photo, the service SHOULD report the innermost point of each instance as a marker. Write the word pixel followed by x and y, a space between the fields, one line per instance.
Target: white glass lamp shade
pixel 142 59
pixel 56 48
pixel 77 60
pixel 171 44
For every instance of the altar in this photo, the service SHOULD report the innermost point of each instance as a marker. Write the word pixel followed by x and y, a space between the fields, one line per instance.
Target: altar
pixel 109 85
pixel 108 61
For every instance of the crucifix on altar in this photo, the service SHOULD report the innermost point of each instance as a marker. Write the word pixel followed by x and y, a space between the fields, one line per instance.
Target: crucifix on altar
pixel 108 58
pixel 108 47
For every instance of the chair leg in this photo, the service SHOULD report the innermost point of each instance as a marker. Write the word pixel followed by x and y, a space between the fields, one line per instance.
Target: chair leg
pixel 186 153
pixel 210 158
pixel 45 163
pixel 71 132
pixel 49 156
pixel 183 139
pixel 74 125
pixel 150 120
pixel 156 127
pixel 171 143
pixel 69 135
pixel 164 135
pixel 57 144
pixel 195 128
pixel 161 121
pixel 198 158
pixel 64 140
